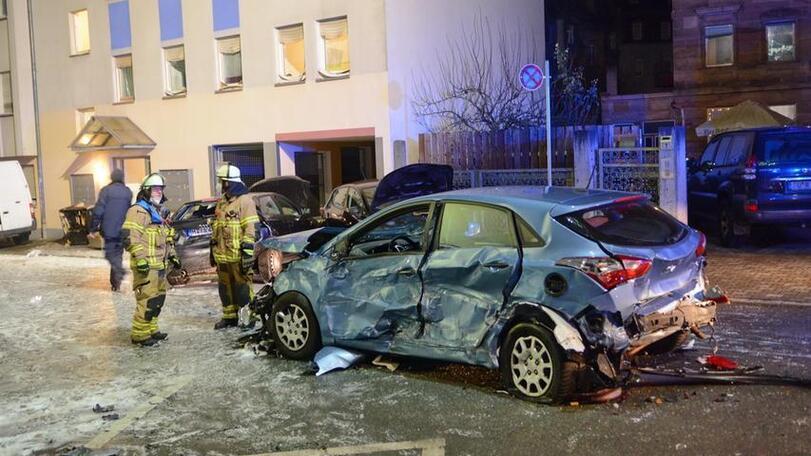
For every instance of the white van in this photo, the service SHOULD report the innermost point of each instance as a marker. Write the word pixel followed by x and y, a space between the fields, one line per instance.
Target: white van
pixel 16 207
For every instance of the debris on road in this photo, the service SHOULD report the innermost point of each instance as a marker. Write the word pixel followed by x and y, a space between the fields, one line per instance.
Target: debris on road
pixel 36 299
pixel 33 254
pixel 110 417
pixel 383 362
pixel 105 409
pixel 331 358
pixel 717 362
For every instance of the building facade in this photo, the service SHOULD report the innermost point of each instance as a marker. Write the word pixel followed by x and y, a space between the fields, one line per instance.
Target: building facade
pixel 316 88
pixel 732 51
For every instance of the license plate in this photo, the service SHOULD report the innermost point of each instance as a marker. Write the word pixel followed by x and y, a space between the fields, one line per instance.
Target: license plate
pixel 799 186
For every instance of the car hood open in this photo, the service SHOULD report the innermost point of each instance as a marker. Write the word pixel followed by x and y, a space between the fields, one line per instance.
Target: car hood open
pixel 294 188
pixel 412 181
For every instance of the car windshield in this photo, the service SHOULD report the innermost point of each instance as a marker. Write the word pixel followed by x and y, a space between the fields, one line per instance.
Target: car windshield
pixel 633 223
pixel 785 147
pixel 195 211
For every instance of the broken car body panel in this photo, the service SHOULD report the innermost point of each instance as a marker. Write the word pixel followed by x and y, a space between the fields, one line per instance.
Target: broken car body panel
pixel 449 286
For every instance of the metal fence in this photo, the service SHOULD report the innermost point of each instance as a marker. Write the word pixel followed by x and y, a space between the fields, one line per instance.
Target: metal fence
pixel 500 177
pixel 631 169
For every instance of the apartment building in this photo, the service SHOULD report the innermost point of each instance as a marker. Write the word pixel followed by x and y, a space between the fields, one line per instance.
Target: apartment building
pixel 315 88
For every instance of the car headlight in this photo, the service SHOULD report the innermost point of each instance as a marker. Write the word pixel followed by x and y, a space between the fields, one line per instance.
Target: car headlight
pixel 270 263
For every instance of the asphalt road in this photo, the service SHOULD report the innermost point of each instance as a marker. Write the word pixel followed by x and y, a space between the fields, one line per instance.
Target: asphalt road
pixel 64 347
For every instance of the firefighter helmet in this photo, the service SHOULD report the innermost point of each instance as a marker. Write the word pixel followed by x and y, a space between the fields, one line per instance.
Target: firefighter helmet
pixel 153 180
pixel 228 173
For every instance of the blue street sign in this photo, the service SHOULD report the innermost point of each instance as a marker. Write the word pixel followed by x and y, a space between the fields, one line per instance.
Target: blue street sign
pixel 531 77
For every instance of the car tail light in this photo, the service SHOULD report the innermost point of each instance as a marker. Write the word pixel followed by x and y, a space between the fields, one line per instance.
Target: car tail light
pixel 750 168
pixel 702 244
pixel 750 206
pixel 610 272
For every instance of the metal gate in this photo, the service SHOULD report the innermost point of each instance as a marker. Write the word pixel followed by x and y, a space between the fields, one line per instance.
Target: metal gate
pixel 629 169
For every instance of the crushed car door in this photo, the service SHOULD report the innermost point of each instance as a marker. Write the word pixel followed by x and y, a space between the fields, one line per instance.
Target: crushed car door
pixel 373 291
pixel 465 278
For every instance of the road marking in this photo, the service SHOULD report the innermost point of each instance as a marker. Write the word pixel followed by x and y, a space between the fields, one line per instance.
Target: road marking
pixel 102 439
pixel 768 302
pixel 430 447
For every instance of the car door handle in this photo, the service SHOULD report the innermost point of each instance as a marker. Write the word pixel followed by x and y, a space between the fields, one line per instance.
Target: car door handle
pixel 406 272
pixel 496 265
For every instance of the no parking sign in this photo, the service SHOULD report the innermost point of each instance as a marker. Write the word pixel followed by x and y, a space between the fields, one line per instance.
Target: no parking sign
pixel 531 77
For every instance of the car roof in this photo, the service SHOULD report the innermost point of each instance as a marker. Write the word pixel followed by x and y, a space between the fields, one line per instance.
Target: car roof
pixel 788 129
pixel 530 201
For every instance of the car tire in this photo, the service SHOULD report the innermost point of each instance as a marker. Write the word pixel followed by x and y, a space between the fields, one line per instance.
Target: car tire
pixel 21 239
pixel 726 225
pixel 294 327
pixel 668 344
pixel 528 345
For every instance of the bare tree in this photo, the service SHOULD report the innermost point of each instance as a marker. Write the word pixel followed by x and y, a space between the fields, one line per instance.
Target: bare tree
pixel 474 85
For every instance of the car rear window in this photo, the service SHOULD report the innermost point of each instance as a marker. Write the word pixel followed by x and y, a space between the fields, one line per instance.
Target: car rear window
pixel 632 223
pixel 776 148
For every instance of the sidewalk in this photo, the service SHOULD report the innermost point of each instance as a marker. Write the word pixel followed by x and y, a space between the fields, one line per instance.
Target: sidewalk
pixel 51 248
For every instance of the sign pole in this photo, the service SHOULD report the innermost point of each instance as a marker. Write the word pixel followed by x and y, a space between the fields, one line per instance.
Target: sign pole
pixel 548 84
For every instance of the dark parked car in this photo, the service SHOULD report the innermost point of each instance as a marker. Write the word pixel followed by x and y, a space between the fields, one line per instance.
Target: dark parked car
pixel 278 215
pixel 748 180
pixel 350 203
pixel 553 286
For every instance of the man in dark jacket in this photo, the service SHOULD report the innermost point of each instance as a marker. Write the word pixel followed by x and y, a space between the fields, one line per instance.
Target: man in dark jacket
pixel 108 215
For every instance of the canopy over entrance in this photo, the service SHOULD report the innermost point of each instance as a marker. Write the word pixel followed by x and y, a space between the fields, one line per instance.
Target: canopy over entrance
pixel 749 114
pixel 111 133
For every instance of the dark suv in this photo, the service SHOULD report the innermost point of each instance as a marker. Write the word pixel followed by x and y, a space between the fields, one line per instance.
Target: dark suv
pixel 749 179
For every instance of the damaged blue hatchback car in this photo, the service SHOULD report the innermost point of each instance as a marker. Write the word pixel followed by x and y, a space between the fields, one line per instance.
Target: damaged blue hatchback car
pixel 555 287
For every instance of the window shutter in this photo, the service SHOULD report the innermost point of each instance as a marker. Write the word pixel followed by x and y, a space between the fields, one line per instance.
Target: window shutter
pixel 333 29
pixel 288 35
pixel 174 54
pixel 124 61
pixel 228 45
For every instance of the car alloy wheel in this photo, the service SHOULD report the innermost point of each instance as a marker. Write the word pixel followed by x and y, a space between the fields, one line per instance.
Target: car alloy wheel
pixel 292 327
pixel 531 366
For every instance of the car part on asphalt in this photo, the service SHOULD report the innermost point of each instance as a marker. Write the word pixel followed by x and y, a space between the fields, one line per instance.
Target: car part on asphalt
pixel 662 377
pixel 332 358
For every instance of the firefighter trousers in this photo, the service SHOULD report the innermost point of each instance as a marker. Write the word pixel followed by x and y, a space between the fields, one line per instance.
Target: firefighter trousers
pixel 235 288
pixel 150 294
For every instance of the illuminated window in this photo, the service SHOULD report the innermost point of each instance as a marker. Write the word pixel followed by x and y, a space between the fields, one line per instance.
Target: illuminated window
pixel 174 81
pixel 718 44
pixel 290 62
pixel 79 33
pixel 125 88
pixel 334 48
pixel 780 42
pixel 789 111
pixel 229 61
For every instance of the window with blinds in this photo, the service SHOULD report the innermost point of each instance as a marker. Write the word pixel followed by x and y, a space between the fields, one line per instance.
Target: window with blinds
pixel 174 59
pixel 125 88
pixel 290 62
pixel 334 47
pixel 229 62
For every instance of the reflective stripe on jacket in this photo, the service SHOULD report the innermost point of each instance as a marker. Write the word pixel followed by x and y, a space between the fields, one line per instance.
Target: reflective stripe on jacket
pixel 146 239
pixel 234 224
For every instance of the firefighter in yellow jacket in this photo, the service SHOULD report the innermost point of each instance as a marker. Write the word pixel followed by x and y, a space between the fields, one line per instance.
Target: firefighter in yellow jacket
pixel 149 239
pixel 234 232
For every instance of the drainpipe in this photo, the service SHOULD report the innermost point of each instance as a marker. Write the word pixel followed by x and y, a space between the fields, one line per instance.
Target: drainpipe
pixel 40 179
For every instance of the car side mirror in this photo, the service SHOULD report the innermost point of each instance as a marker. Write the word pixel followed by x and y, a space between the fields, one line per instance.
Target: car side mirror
pixel 340 250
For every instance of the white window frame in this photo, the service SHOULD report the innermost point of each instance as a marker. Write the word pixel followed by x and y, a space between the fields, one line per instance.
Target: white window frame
pixel 322 50
pixel 167 90
pixel 707 42
pixel 794 43
pixel 74 51
pixel 82 117
pixel 119 98
pixel 280 65
pixel 221 84
pixel 3 9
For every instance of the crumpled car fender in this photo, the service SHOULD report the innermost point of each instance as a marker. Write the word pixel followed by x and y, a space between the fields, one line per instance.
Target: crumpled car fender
pixel 566 334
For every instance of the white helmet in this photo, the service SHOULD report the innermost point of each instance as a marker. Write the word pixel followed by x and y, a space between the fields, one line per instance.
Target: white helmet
pixel 228 173
pixel 153 180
